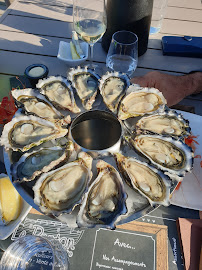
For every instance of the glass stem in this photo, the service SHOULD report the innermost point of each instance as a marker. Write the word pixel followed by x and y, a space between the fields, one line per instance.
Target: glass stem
pixel 91 55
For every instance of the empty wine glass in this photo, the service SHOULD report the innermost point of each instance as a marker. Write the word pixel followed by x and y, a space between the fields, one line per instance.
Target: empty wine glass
pixel 123 52
pixel 89 19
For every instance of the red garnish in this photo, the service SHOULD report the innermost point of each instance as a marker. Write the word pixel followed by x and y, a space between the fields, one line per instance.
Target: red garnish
pixel 178 185
pixel 190 141
pixel 7 109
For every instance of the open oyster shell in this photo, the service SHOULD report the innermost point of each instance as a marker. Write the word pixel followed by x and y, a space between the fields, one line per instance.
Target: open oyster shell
pixel 105 199
pixel 25 132
pixel 35 163
pixel 168 123
pixel 113 87
pixel 86 83
pixel 62 189
pixel 59 92
pixel 149 181
pixel 35 103
pixel 139 101
pixel 165 153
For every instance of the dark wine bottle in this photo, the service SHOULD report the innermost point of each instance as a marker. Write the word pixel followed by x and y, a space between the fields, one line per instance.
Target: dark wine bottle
pixel 131 15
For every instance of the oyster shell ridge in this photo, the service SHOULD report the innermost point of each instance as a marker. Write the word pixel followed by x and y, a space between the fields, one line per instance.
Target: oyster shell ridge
pixel 164 179
pixel 124 77
pixel 86 102
pixel 4 139
pixel 171 114
pixel 73 107
pixel 83 219
pixel 179 144
pixel 67 152
pixel 39 198
pixel 33 93
pixel 136 89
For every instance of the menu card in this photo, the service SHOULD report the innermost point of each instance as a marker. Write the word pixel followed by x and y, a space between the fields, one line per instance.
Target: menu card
pixel 139 247
pixel 168 216
pixel 161 224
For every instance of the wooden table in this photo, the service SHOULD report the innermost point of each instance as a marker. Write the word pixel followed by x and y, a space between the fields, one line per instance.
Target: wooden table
pixel 30 32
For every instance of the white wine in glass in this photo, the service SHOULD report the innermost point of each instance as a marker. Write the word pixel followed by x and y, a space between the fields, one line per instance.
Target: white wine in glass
pixel 89 21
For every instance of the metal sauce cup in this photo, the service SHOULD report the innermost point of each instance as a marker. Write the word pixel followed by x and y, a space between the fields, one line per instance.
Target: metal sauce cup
pixel 97 132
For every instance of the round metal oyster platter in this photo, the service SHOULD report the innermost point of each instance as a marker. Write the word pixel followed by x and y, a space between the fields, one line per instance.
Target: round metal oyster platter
pixel 95 150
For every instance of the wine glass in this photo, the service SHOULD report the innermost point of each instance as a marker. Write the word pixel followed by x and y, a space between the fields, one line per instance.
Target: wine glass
pixel 89 20
pixel 123 52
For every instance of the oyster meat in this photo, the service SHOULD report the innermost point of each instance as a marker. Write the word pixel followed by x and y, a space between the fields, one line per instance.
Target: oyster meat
pixel 149 181
pixel 25 132
pixel 62 189
pixel 168 123
pixel 59 92
pixel 113 87
pixel 36 104
pixel 86 83
pixel 105 200
pixel 166 153
pixel 35 163
pixel 139 101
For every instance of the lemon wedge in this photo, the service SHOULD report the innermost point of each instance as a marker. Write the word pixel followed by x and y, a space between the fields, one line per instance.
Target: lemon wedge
pixel 73 51
pixel 10 201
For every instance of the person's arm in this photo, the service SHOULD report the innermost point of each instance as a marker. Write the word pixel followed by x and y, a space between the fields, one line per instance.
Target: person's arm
pixel 174 88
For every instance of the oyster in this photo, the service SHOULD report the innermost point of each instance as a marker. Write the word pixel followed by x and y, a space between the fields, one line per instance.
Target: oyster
pixel 35 163
pixel 149 181
pixel 113 86
pixel 36 104
pixel 168 123
pixel 86 83
pixel 168 154
pixel 25 132
pixel 105 199
pixel 139 101
pixel 62 189
pixel 59 92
